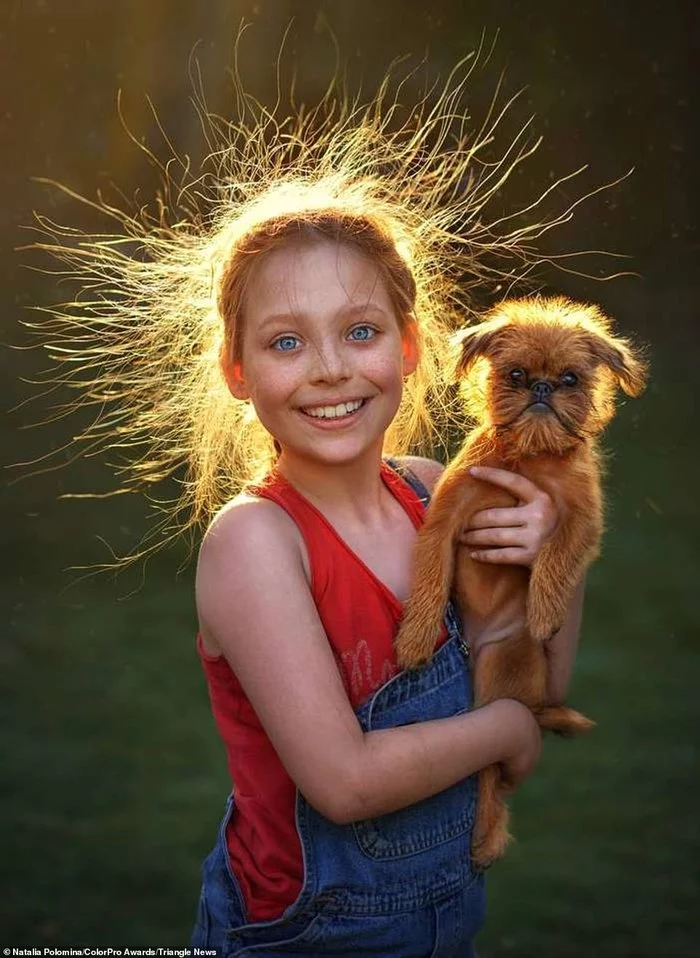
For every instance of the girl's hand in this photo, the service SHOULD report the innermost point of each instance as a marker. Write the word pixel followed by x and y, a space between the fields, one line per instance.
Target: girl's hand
pixel 512 535
pixel 525 746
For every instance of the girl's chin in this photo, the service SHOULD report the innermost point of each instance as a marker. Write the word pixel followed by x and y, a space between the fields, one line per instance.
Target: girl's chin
pixel 332 447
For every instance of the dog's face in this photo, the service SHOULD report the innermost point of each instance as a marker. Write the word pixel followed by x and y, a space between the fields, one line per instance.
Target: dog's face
pixel 544 372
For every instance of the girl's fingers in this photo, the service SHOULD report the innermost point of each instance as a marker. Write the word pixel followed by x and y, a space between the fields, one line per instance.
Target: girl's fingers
pixel 513 482
pixel 493 537
pixel 514 555
pixel 508 516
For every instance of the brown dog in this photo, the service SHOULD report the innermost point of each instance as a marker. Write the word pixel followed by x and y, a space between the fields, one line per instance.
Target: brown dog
pixel 540 377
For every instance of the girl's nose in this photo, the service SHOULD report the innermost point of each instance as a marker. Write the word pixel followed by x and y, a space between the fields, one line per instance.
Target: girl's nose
pixel 330 364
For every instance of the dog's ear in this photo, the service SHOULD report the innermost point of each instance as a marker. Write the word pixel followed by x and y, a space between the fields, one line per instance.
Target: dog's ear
pixel 623 360
pixel 477 341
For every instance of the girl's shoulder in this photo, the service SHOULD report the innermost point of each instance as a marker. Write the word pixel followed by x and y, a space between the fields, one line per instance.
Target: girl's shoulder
pixel 243 513
pixel 247 539
pixel 246 520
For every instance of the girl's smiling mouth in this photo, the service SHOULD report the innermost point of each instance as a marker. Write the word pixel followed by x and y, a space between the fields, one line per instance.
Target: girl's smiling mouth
pixel 342 410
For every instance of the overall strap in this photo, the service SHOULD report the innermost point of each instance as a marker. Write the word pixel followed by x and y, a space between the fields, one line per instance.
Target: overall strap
pixel 400 467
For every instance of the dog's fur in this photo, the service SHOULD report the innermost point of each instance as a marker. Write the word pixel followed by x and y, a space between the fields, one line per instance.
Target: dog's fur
pixel 510 611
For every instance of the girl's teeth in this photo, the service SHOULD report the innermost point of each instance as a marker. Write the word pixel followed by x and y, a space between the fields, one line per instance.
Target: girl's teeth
pixel 333 412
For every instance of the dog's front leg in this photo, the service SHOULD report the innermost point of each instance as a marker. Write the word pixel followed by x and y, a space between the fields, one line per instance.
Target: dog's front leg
pixel 433 569
pixel 556 572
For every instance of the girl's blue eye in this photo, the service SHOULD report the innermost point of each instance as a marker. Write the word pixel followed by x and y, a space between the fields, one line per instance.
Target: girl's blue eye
pixel 285 343
pixel 362 333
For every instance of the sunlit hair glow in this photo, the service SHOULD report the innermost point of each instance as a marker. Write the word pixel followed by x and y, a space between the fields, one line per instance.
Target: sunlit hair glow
pixel 160 294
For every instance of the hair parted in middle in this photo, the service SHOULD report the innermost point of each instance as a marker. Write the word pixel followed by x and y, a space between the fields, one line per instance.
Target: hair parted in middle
pixel 159 302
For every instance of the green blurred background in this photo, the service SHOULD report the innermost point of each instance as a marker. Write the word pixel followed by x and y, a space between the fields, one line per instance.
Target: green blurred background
pixel 112 776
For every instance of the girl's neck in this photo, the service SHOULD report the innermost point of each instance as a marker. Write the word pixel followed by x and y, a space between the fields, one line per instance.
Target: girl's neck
pixel 353 489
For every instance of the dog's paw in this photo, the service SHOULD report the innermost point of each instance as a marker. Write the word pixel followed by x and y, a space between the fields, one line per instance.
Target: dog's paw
pixel 414 644
pixel 543 619
pixel 543 631
pixel 411 653
pixel 542 628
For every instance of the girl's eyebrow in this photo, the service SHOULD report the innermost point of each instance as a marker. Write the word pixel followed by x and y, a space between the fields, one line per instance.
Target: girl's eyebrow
pixel 350 311
pixel 282 319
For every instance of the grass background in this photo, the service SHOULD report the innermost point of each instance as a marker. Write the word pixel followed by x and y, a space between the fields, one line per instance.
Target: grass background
pixel 112 779
pixel 115 778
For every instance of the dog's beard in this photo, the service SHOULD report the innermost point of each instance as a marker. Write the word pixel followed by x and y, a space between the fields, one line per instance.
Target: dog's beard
pixel 543 430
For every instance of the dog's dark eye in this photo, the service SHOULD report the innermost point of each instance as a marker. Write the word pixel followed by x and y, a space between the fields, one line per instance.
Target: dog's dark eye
pixel 517 375
pixel 569 379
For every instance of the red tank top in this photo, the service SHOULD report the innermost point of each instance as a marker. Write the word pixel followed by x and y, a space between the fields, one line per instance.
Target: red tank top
pixel 360 616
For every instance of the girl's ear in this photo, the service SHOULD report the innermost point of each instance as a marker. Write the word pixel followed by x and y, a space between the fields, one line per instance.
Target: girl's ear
pixel 233 374
pixel 409 346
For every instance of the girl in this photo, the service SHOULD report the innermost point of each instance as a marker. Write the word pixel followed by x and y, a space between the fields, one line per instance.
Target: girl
pixel 349 828
pixel 281 343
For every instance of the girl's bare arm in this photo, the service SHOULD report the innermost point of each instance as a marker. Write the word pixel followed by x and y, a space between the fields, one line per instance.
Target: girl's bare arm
pixel 255 605
pixel 562 648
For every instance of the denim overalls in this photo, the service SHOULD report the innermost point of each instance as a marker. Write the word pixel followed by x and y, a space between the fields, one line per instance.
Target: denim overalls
pixel 401 885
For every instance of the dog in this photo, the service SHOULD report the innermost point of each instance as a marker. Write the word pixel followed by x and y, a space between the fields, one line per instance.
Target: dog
pixel 540 376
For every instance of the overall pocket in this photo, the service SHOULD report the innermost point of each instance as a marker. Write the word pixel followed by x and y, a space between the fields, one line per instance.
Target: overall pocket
pixel 294 937
pixel 420 827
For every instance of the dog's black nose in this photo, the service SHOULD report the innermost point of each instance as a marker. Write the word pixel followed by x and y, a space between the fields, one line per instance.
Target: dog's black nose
pixel 541 390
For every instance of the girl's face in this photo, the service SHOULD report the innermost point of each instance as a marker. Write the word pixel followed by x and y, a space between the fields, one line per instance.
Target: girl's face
pixel 323 358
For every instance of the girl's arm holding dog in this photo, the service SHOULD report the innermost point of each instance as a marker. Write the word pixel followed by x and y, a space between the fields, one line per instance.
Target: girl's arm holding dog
pixel 252 562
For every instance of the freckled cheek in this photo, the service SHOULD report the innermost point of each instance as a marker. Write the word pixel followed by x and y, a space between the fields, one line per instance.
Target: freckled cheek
pixel 276 399
pixel 385 371
pixel 270 393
